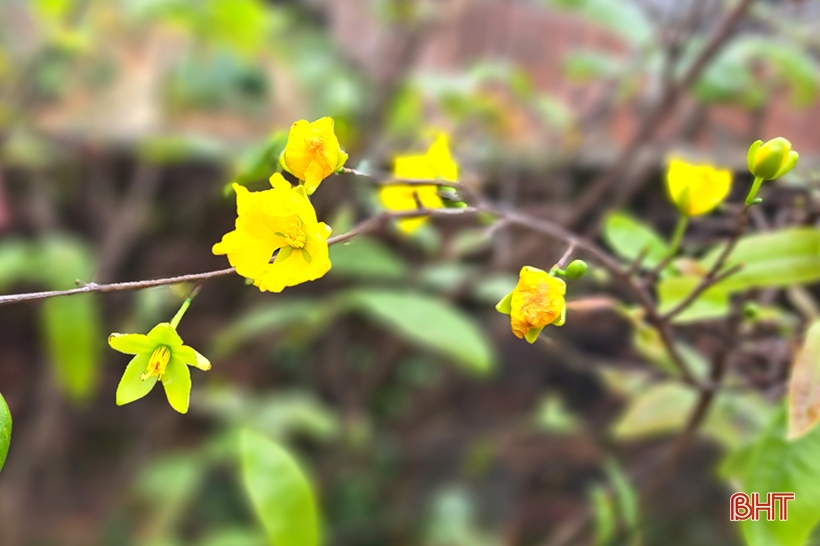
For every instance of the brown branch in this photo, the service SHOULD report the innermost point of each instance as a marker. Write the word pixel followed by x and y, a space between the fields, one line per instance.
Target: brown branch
pixel 385 179
pixel 85 288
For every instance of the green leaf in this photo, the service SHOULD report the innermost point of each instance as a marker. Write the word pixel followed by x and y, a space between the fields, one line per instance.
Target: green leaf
pixel 174 150
pixel 778 465
pixel 5 431
pixel 626 19
pixel 169 485
pixel 71 326
pixel 603 515
pixel 628 237
pixel 625 494
pixel 429 322
pixel 261 161
pixel 772 259
pixel 234 536
pixel 729 77
pixel 712 303
pixel 74 336
pixel 470 241
pixel 446 277
pixel 804 386
pixel 280 414
pixel 583 66
pixel 16 262
pixel 554 417
pixel 794 65
pixel 302 317
pixel 280 493
pixel 737 418
pixel 366 258
pixel 659 409
pixel 494 288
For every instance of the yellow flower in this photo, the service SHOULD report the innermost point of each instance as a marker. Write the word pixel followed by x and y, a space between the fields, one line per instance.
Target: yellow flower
pixel 436 163
pixel 312 152
pixel 280 219
pixel 772 159
pixel 158 356
pixel 697 189
pixel 536 301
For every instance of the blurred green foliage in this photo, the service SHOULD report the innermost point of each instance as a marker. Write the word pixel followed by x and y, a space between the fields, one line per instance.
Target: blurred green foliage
pixel 5 431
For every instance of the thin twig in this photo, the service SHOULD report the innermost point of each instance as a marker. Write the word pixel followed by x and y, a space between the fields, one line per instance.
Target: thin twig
pixel 565 257
pixel 85 288
pixel 385 179
pixel 635 266
pixel 704 403
pixel 714 275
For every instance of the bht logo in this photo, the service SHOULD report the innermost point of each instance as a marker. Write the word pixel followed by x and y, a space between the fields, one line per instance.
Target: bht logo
pixel 742 507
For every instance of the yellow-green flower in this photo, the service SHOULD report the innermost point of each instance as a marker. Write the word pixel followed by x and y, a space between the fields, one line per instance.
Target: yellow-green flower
pixel 437 163
pixel 282 219
pixel 535 302
pixel 697 189
pixel 772 159
pixel 312 152
pixel 160 355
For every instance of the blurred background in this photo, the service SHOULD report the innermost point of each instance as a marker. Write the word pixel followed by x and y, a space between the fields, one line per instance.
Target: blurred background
pixel 421 420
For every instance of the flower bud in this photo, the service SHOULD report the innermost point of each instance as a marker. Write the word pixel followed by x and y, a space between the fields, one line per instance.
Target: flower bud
pixel 772 159
pixel 576 269
pixel 751 310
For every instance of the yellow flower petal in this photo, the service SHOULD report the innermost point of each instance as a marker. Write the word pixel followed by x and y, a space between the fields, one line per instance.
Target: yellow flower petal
pixel 697 189
pixel 436 163
pixel 403 197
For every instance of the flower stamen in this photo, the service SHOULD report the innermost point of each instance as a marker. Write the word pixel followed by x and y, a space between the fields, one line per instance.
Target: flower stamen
pixel 295 237
pixel 157 362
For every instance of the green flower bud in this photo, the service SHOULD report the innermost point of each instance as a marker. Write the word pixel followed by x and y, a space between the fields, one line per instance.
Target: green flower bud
pixel 576 269
pixel 772 159
pixel 751 310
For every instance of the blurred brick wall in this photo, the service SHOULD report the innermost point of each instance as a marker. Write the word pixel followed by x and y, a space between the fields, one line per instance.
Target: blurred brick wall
pixel 537 39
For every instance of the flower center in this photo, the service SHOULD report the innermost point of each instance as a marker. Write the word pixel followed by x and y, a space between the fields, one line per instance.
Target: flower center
pixel 295 237
pixel 315 145
pixel 157 362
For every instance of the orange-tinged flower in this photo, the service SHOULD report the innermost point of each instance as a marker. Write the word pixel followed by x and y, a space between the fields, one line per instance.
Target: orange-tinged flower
pixel 282 219
pixel 697 189
pixel 535 302
pixel 436 163
pixel 312 152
